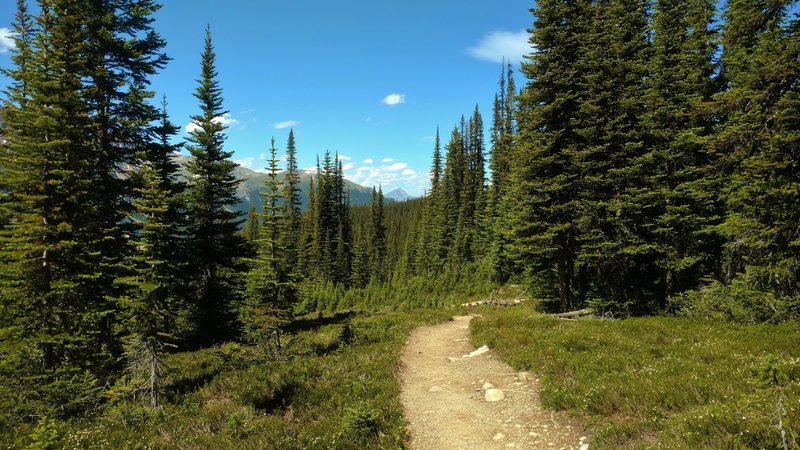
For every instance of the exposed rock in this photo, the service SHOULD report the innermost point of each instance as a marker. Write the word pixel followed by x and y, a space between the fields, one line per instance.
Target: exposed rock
pixel 487 386
pixel 494 395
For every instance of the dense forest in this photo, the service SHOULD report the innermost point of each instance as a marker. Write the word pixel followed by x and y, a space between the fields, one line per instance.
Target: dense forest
pixel 649 165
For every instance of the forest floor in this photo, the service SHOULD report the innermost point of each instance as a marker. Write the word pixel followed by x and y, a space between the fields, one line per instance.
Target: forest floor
pixel 445 397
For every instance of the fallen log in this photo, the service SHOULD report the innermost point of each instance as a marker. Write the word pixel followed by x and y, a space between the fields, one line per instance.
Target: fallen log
pixel 573 314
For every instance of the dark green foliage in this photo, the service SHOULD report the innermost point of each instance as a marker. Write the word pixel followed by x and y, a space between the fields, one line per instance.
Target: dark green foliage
pixel 251 226
pixel 271 290
pixel 758 142
pixel 542 200
pixel 377 237
pixel 77 93
pixel 679 202
pixel 213 225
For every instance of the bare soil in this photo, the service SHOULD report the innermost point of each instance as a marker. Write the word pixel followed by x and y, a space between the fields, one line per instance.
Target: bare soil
pixel 444 400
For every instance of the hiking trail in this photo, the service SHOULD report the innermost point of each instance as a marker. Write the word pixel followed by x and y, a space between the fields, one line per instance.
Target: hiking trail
pixel 453 400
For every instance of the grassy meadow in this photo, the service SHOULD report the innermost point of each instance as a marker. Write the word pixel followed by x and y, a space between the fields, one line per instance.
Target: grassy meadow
pixel 659 382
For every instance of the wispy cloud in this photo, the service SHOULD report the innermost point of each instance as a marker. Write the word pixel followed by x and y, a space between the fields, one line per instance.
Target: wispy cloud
pixel 225 119
pixel 387 160
pixel 6 40
pixel 494 46
pixel 344 157
pixel 245 162
pixel 390 175
pixel 286 124
pixel 394 99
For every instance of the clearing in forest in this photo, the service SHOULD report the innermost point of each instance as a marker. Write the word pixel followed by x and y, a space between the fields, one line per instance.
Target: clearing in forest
pixel 446 396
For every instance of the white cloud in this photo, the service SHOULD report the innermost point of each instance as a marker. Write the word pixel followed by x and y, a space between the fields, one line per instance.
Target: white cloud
pixel 6 40
pixel 390 176
pixel 348 166
pixel 245 162
pixel 368 161
pixel 312 169
pixel 394 99
pixel 286 124
pixel 397 167
pixel 497 45
pixel 226 119
pixel 344 158
pixel 387 160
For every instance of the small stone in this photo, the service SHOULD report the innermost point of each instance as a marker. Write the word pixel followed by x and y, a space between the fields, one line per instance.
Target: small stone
pixel 451 359
pixel 494 395
pixel 583 438
pixel 477 352
pixel 487 386
pixel 533 434
pixel 498 436
pixel 435 389
pixel 524 376
pixel 584 447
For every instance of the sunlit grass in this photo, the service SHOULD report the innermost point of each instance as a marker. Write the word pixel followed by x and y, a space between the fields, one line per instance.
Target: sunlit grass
pixel 659 382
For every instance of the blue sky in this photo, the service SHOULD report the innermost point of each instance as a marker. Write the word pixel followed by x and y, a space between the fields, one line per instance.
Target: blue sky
pixel 369 79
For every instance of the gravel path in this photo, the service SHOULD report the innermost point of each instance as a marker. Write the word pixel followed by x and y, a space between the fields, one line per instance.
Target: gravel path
pixel 445 395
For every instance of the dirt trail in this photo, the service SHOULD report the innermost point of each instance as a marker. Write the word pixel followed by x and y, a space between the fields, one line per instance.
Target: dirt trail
pixel 445 405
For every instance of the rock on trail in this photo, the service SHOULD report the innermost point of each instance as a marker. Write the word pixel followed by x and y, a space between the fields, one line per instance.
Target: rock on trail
pixel 457 397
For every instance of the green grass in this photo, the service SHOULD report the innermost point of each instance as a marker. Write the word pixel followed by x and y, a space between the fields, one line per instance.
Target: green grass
pixel 331 393
pixel 659 382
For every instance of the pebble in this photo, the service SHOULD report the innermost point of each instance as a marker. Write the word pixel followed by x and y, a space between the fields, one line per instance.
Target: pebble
pixel 487 386
pixel 494 395
pixel 435 389
pixel 498 436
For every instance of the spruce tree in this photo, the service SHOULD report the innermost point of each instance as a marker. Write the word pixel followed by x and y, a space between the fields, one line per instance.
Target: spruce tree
pixel 292 233
pixel 78 115
pixel 680 205
pixel 611 127
pixel 271 290
pixel 542 197
pixel 252 226
pixel 377 237
pixel 758 142
pixel 213 227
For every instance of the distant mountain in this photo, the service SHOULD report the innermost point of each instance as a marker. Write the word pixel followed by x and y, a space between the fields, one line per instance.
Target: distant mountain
pixel 398 195
pixel 252 186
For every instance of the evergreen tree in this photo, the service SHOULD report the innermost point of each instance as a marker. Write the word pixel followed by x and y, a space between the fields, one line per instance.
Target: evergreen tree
pixel 76 115
pixel 213 227
pixel 758 141
pixel 252 226
pixel 377 237
pixel 449 204
pixel 292 234
pixel 152 299
pixel 271 290
pixel 542 210
pixel 680 205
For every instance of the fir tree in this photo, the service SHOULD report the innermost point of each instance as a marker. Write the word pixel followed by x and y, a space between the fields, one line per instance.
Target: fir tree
pixel 252 226
pixel 271 291
pixel 542 194
pixel 213 226
pixel 680 205
pixel 292 233
pixel 377 236
pixel 758 141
